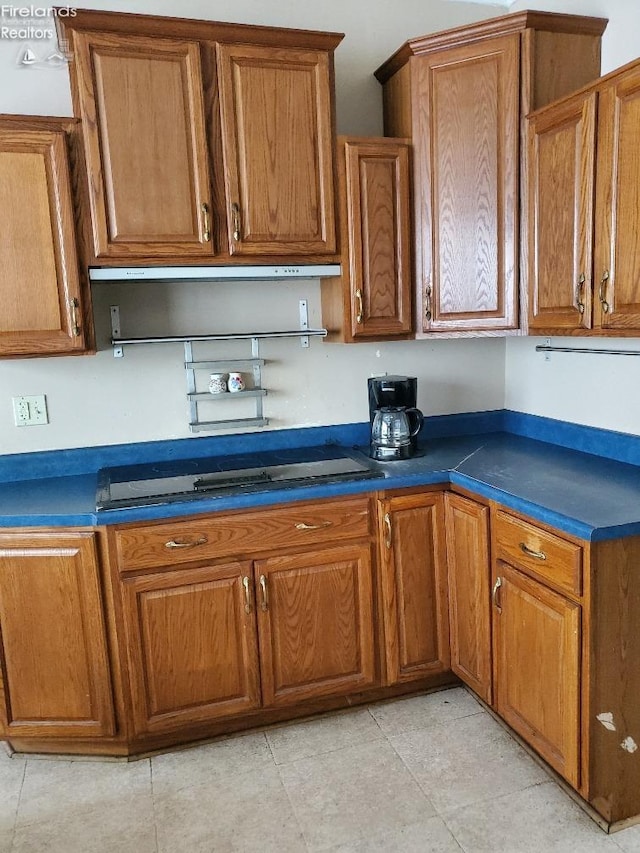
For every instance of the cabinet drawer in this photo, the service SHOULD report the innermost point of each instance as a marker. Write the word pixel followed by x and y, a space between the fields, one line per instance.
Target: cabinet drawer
pixel 246 533
pixel 539 553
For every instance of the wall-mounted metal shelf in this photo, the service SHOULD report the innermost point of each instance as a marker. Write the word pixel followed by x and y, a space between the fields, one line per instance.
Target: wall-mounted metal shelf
pixel 253 364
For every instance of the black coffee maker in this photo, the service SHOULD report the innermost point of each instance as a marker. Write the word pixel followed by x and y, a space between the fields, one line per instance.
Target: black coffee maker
pixel 387 395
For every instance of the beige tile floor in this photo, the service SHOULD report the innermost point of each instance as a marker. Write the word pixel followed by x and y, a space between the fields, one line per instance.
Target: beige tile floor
pixel 429 774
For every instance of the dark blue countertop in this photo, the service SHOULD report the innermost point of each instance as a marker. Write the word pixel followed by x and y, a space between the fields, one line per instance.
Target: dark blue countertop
pixel 589 496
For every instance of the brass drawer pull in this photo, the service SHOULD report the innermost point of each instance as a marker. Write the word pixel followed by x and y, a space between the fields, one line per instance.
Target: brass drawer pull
pixel 388 530
pixel 427 303
pixel 206 236
pixel 494 595
pixel 539 555
pixel 265 595
pixel 360 311
pixel 74 304
pixel 247 595
pixel 179 543
pixel 579 293
pixel 302 526
pixel 235 214
pixel 602 292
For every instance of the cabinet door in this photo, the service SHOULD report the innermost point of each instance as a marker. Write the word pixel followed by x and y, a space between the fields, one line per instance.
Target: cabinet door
pixel 414 587
pixel 54 663
pixel 315 624
pixel 469 606
pixel 192 645
pixel 617 262
pixel 278 150
pixel 537 667
pixel 141 104
pixel 377 232
pixel 467 161
pixel 39 279
pixel 560 221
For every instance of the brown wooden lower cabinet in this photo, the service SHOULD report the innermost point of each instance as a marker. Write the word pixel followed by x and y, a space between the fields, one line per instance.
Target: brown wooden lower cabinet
pixel 317 610
pixel 192 645
pixel 315 621
pixel 54 667
pixel 469 570
pixel 537 643
pixel 414 586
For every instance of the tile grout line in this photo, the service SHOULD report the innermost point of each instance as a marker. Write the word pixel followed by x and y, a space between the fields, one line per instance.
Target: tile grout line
pixel 293 808
pixel 15 817
pixel 153 805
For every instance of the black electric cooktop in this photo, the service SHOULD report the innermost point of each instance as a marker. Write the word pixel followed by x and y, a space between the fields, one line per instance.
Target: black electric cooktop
pixel 190 479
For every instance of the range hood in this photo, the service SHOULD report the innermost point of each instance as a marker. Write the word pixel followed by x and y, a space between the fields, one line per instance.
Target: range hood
pixel 229 273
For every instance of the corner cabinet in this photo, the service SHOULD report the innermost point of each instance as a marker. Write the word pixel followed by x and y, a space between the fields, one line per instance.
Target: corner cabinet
pixel 460 96
pixel 205 140
pixel 55 676
pixel 583 196
pixel 467 525
pixel 372 299
pixel 413 586
pixel 42 292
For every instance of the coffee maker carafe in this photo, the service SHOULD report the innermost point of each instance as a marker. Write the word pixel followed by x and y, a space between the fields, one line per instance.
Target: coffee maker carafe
pixel 394 419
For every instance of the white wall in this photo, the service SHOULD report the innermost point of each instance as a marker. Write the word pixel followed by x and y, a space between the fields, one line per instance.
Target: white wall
pixel 597 390
pixel 101 400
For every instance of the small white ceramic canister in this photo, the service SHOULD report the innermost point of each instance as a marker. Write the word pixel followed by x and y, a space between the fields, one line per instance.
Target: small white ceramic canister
pixel 217 383
pixel 236 382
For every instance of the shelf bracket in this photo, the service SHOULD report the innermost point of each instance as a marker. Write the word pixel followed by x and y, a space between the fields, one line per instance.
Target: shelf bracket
pixel 304 323
pixel 118 351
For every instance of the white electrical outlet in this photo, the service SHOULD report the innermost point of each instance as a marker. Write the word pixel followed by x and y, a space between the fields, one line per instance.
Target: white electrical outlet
pixel 30 411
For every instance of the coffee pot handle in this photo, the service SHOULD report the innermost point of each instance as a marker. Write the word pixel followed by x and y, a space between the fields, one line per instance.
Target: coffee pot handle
pixel 417 417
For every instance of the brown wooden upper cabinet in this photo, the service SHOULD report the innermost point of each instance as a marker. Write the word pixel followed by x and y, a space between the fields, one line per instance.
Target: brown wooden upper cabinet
pixel 460 96
pixel 584 198
pixel 205 140
pixel 40 284
pixel 372 298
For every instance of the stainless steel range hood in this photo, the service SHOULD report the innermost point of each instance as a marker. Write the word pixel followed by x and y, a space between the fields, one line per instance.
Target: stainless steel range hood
pixel 229 273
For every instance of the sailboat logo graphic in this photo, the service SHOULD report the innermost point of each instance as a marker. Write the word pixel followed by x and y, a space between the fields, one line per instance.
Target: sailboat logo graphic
pixel 28 57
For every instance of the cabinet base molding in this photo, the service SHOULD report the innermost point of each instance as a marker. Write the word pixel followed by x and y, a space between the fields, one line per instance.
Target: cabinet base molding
pixel 143 747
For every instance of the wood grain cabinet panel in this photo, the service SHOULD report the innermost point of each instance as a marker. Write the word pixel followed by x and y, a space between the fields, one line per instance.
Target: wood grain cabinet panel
pixel 469 567
pixel 561 186
pixel 461 96
pixel 414 586
pixel 315 624
pixel 469 124
pixel 537 661
pixel 192 645
pixel 54 662
pixel 372 299
pixel 277 140
pixel 40 290
pixel 617 262
pixel 584 178
pixel 141 103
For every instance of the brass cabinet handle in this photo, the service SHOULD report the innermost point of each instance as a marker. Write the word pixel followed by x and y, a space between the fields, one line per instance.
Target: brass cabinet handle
pixel 602 292
pixel 302 526
pixel 180 543
pixel 235 213
pixel 206 235
pixel 427 302
pixel 539 555
pixel 265 595
pixel 579 293
pixel 360 310
pixel 494 595
pixel 74 304
pixel 247 595
pixel 388 537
